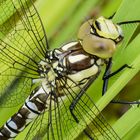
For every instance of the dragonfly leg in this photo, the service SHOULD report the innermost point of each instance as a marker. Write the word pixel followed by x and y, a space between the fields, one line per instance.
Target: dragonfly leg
pixel 126 102
pixel 108 74
pixel 72 106
pixel 106 77
pixel 117 71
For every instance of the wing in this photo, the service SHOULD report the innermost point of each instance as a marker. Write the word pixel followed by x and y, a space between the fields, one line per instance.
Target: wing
pixel 57 122
pixel 23 43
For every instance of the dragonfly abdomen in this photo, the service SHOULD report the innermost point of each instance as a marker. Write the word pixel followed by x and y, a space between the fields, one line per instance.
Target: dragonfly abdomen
pixel 33 107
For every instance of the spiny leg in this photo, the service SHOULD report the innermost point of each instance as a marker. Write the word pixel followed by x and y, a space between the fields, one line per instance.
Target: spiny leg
pixel 72 106
pixel 74 103
pixel 105 80
pixel 106 77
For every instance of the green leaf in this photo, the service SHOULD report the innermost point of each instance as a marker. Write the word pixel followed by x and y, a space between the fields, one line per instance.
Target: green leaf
pixel 128 125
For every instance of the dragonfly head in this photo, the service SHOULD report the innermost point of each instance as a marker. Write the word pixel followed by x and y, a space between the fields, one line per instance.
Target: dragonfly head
pixel 99 37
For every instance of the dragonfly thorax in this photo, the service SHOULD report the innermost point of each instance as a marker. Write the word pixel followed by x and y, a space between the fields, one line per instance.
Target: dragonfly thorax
pixel 70 62
pixel 74 63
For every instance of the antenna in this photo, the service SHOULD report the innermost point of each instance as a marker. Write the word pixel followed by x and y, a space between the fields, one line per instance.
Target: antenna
pixel 112 15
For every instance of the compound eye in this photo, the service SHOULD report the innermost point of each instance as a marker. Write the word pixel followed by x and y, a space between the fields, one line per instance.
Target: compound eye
pixel 103 48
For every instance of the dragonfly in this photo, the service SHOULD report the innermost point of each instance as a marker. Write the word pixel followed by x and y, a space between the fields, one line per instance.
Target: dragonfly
pixel 53 83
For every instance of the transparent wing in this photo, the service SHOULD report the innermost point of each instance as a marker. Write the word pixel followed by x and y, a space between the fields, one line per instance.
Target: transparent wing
pixel 23 43
pixel 86 111
pixel 58 123
pixel 54 124
pixel 11 95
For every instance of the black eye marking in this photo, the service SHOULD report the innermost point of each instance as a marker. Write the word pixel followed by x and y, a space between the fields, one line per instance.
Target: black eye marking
pixel 93 30
pixel 97 25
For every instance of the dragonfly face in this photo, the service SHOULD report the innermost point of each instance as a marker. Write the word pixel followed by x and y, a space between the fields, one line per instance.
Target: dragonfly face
pixel 100 37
